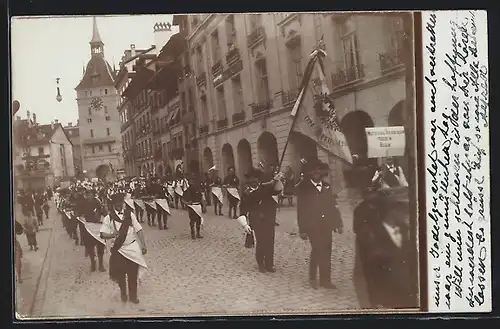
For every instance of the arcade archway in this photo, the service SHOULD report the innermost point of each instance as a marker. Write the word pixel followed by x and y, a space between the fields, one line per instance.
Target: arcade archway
pixel 208 159
pixel 227 158
pixel 244 157
pixel 268 148
pixel 397 115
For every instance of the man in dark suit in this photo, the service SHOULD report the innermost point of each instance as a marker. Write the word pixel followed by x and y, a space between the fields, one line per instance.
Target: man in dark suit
pixel 255 205
pixel 318 216
pixel 383 248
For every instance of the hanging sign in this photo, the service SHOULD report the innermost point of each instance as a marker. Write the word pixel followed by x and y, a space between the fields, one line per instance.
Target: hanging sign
pixel 385 141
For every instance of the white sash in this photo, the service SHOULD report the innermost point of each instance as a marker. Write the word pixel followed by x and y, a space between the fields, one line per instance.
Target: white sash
pixel 170 190
pixel 197 209
pixel 140 203
pixel 133 252
pixel 94 230
pixel 275 198
pixel 163 204
pixel 130 203
pixel 152 204
pixel 217 191
pixel 234 192
pixel 179 190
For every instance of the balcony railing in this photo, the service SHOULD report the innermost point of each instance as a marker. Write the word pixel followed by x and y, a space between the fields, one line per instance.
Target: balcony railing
pixel 391 60
pixel 217 68
pixel 238 117
pixel 204 130
pixel 233 55
pixel 201 79
pixel 260 108
pixel 256 36
pixel 348 75
pixel 289 96
pixel 221 124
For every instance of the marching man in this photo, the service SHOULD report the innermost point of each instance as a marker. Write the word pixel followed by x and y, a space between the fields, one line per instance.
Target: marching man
pixel 89 214
pixel 232 183
pixel 126 262
pixel 215 186
pixel 390 175
pixel 193 197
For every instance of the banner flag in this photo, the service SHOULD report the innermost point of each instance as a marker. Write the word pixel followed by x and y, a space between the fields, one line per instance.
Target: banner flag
pixel 314 112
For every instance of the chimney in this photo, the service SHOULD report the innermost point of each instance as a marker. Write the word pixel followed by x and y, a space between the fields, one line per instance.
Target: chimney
pixel 29 118
pixel 77 122
pixel 132 50
pixel 56 121
pixel 70 124
pixel 34 118
pixel 52 125
pixel 162 32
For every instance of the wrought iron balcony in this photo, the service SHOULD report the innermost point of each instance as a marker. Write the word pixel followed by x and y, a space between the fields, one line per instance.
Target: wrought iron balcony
pixel 238 117
pixel 262 107
pixel 204 130
pixel 233 55
pixel 201 79
pixel 289 96
pixel 217 68
pixel 221 124
pixel 391 60
pixel 348 75
pixel 256 36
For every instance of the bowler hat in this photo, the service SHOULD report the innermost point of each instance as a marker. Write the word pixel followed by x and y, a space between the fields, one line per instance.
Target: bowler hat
pixel 314 164
pixel 117 198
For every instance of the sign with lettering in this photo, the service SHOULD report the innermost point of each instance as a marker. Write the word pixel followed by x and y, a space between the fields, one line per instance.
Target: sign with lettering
pixel 456 130
pixel 385 141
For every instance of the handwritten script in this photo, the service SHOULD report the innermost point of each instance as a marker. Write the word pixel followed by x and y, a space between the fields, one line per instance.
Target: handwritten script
pixel 456 123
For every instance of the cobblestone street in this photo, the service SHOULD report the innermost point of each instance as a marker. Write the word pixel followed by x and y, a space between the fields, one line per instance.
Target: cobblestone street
pixel 212 276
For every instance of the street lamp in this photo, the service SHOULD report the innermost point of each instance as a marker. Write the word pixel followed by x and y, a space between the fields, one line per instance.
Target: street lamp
pixel 58 97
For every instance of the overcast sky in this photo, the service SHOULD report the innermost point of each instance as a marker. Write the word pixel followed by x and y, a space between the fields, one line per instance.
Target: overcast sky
pixel 44 49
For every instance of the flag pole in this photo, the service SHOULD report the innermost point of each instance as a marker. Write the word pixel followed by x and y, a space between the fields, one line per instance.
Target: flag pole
pixel 300 99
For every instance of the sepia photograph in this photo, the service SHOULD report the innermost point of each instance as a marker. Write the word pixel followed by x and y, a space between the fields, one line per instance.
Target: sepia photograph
pixel 240 164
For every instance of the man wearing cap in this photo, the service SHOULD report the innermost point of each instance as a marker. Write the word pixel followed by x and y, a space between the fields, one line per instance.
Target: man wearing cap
pixel 90 211
pixel 232 182
pixel 318 216
pixel 193 198
pixel 126 262
pixel 253 210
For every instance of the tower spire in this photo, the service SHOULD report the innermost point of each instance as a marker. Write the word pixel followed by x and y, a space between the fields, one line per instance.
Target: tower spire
pixel 96 37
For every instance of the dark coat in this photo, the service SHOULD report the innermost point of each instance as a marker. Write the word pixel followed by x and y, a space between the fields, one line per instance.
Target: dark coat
pixel 193 194
pixel 384 266
pixel 255 205
pixel 316 211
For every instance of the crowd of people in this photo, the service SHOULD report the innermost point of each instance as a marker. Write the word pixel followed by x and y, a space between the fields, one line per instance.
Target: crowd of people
pixel 94 212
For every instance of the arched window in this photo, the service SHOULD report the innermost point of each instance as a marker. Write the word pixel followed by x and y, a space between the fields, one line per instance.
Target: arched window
pixel 105 91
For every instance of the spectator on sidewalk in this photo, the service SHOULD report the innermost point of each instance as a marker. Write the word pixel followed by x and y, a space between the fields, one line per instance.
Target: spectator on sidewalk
pixel 18 252
pixel 30 229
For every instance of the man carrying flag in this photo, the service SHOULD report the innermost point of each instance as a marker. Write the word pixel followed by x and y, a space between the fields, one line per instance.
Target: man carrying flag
pixel 193 197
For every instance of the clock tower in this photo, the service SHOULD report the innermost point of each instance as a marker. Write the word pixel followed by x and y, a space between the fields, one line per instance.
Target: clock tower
pixel 99 125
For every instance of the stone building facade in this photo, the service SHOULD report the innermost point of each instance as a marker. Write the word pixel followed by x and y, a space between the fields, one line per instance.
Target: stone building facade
pixel 247 68
pixel 73 132
pixel 99 123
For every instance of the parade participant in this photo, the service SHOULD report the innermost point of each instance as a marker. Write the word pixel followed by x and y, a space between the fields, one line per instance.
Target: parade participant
pixel 318 216
pixel 253 213
pixel 383 249
pixel 203 189
pixel 150 203
pixel 72 222
pixel 126 261
pixel 206 190
pixel 179 191
pixel 232 184
pixel 90 212
pixel 216 189
pixel 193 197
pixel 272 207
pixel 138 194
pixel 289 186
pixel 389 175
pixel 170 192
pixel 162 209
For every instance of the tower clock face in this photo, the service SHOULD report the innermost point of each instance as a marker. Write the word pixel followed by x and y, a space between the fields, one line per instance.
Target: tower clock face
pixel 96 104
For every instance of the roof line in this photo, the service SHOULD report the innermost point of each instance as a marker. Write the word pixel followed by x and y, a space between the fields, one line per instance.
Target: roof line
pixel 139 54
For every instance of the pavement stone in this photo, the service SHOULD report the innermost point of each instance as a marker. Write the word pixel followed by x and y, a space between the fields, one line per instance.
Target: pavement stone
pixel 215 275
